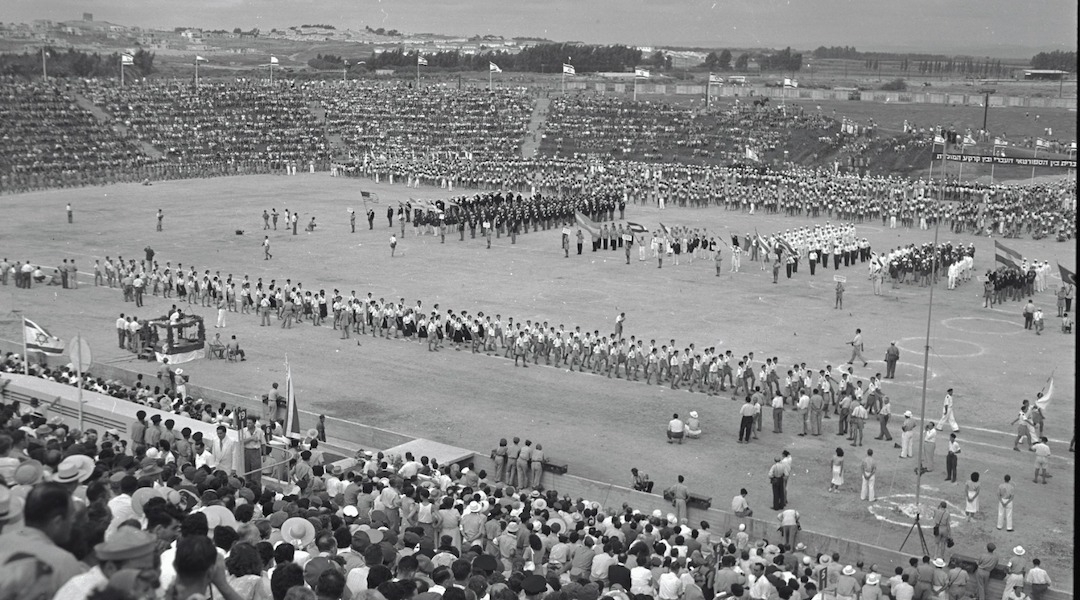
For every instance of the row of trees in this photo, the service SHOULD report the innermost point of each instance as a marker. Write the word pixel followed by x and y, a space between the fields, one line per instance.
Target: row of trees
pixel 75 63
pixel 965 66
pixel 1058 59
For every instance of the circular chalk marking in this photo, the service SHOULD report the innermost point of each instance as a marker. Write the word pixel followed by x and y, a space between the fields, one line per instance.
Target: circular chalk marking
pixel 900 509
pixel 1010 328
pixel 944 347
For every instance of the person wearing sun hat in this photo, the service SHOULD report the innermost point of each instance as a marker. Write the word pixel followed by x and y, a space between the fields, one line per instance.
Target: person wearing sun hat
pixel 871 590
pixel 129 549
pixel 847 587
pixel 939 584
pixel 1016 567
pixel 11 507
pixel 74 470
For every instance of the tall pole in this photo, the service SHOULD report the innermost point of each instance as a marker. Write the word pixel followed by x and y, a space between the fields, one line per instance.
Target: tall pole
pixel 926 355
pixel 271 73
pixel 635 87
pixel 986 108
pixel 489 78
pixel 44 68
pixel 1033 164
pixel 344 71
pixel 121 72
pixel 196 74
pixel 26 356
pixel 78 371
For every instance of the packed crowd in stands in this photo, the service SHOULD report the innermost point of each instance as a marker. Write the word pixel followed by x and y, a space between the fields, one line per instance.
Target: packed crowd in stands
pixel 437 121
pixel 471 139
pixel 602 125
pixel 48 141
pixel 218 123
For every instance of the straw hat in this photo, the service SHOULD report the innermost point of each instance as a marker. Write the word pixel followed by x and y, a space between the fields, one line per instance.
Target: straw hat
pixel 1019 551
pixel 848 570
pixel 75 468
pixel 298 532
pixel 939 563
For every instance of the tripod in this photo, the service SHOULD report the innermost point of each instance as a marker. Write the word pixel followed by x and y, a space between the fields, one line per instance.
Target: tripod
pixel 916 526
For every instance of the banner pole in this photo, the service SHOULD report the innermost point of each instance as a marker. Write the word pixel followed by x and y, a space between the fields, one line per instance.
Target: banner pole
pixel 78 371
pixel 26 355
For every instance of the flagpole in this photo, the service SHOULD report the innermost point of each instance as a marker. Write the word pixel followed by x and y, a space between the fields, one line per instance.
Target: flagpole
pixel 44 68
pixel 960 173
pixel 1033 164
pixel 78 371
pixel 121 72
pixel 489 78
pixel 196 73
pixel 26 355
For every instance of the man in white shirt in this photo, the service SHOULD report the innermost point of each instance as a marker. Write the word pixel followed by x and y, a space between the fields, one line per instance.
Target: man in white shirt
pixel 120 505
pixel 223 450
pixel 676 428
pixel 204 457
pixel 669 586
pixel 121 329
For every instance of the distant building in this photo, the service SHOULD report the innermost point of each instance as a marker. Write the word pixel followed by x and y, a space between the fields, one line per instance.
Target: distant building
pixel 384 71
pixel 88 16
pixel 1045 74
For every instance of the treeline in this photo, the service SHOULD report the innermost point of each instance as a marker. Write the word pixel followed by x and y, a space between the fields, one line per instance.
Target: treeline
pixel 1058 59
pixel 543 58
pixel 965 66
pixel 851 53
pixel 75 63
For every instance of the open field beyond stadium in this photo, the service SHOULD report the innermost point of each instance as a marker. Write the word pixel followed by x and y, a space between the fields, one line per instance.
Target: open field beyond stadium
pixel 600 427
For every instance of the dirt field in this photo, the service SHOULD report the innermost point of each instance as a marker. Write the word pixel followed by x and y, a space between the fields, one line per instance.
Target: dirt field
pixel 600 427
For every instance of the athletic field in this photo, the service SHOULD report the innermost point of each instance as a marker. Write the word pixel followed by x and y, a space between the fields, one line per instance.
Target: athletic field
pixel 600 427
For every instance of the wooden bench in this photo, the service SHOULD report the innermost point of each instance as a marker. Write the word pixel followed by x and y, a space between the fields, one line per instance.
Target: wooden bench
pixel 554 467
pixel 695 500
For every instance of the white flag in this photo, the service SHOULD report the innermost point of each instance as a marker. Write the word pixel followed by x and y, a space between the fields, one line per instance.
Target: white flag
pixel 568 69
pixel 643 73
pixel 493 68
pixel 751 154
pixel 1000 142
pixel 273 60
pixel 1041 143
pixel 713 78
pixel 199 59
pixel 421 61
pixel 127 59
pixel 968 141
pixel 39 340
pixel 939 140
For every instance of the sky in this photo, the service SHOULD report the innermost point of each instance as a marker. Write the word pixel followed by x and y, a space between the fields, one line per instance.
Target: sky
pixel 1007 27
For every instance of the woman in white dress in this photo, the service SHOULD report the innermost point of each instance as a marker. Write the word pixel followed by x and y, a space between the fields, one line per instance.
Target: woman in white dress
pixel 971 496
pixel 837 471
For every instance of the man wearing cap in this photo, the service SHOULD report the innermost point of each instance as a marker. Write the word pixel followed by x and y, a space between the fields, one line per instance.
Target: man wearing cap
pixel 947 413
pixel 907 435
pixel 128 549
pixel 137 432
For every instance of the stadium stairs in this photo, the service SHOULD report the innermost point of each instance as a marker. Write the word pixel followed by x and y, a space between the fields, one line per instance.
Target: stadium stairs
pixel 99 114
